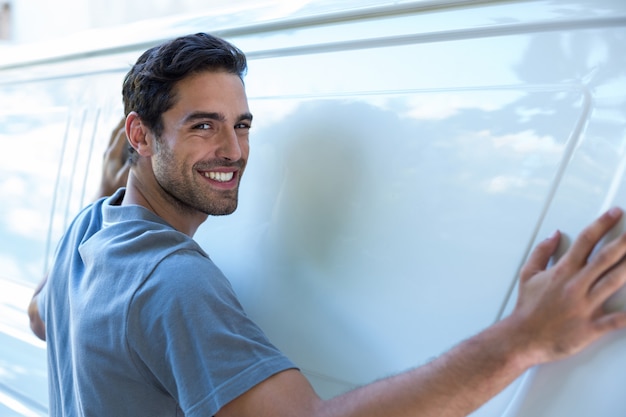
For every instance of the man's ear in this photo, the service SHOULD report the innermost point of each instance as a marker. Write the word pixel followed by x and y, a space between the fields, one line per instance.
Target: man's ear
pixel 139 135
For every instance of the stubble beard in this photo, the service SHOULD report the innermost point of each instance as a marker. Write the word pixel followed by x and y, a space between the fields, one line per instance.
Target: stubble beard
pixel 189 195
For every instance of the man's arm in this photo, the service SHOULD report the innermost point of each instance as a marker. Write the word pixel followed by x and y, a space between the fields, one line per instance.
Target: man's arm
pixel 115 169
pixel 558 313
pixel 36 324
pixel 115 166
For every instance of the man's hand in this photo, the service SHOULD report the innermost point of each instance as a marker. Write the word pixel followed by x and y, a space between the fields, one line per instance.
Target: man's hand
pixel 560 310
pixel 115 165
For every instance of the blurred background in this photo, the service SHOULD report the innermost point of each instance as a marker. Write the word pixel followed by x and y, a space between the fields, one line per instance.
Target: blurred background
pixel 27 21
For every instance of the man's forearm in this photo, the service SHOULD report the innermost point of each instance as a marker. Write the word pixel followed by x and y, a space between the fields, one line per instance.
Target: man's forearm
pixel 454 384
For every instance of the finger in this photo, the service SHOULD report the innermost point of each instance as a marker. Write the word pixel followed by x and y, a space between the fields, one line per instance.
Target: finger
pixel 540 256
pixel 590 236
pixel 120 125
pixel 117 146
pixel 605 262
pixel 122 174
pixel 611 322
pixel 612 279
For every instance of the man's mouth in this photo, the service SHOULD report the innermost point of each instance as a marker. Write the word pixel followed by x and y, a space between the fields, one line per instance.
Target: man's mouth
pixel 219 176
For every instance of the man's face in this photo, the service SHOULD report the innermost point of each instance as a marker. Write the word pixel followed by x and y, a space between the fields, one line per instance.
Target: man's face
pixel 203 150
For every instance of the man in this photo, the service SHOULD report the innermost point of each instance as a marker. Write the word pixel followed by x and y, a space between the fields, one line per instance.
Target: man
pixel 140 322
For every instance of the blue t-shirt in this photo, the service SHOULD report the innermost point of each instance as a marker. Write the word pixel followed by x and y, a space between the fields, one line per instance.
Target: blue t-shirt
pixel 140 322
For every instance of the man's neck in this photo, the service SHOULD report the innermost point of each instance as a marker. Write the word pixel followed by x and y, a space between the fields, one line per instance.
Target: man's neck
pixel 139 193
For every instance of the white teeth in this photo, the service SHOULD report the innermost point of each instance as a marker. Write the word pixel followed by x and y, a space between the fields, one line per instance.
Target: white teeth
pixel 219 176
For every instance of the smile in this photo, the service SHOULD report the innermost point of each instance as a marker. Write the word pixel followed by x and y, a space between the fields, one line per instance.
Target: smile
pixel 219 176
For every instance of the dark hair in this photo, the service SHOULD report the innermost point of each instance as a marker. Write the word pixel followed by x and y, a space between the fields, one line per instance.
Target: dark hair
pixel 148 86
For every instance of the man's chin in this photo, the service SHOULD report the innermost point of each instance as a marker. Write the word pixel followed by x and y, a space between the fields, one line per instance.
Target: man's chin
pixel 223 210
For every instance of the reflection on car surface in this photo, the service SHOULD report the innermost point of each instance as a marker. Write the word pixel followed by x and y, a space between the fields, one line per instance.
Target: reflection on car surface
pixel 405 157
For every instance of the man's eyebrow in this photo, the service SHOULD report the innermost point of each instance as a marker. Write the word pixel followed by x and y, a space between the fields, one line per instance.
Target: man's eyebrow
pixel 214 116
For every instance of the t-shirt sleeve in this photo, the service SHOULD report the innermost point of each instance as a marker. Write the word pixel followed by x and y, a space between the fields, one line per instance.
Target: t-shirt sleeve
pixel 191 338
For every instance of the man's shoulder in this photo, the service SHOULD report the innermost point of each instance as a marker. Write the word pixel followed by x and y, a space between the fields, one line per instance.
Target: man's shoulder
pixel 186 266
pixel 86 223
pixel 133 232
pixel 185 283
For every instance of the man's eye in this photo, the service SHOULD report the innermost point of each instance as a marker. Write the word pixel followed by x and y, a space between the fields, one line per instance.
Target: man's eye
pixel 202 126
pixel 243 126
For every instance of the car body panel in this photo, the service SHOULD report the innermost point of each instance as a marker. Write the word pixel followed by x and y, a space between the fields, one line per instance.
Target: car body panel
pixel 405 158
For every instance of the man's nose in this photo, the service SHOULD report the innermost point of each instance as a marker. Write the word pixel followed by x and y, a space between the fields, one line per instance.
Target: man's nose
pixel 229 147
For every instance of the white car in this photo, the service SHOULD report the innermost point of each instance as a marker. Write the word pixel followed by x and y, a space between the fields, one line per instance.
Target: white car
pixel 405 157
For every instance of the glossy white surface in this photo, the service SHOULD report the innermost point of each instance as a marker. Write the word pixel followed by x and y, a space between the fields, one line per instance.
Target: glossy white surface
pixel 404 158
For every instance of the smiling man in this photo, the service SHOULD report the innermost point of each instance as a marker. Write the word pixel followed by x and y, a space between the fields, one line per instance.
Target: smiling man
pixel 193 167
pixel 140 322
